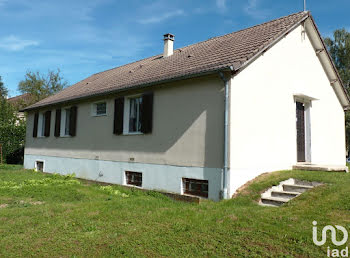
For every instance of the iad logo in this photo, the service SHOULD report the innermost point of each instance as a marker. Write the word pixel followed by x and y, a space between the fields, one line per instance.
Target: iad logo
pixel 331 252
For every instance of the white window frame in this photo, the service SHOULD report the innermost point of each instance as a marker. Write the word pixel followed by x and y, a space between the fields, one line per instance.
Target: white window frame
pixel 36 165
pixel 127 115
pixel 63 122
pixel 125 180
pixel 94 108
pixel 41 125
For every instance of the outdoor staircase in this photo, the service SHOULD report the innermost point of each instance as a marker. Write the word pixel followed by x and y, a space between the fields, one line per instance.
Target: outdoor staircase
pixel 285 191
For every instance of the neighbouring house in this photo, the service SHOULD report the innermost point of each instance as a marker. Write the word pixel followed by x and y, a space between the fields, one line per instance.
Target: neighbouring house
pixel 199 120
pixel 20 102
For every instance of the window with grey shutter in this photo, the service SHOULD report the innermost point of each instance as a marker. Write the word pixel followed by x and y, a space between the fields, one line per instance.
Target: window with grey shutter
pixel 47 123
pixel 35 127
pixel 118 116
pixel 73 121
pixel 146 111
pixel 58 123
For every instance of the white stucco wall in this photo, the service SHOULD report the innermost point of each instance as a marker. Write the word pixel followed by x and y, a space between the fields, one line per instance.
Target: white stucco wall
pixel 263 111
pixel 154 177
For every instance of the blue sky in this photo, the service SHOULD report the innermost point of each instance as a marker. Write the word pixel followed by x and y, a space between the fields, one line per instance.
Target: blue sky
pixel 82 37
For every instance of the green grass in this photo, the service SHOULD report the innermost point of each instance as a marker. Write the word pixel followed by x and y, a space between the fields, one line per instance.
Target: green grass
pixel 56 216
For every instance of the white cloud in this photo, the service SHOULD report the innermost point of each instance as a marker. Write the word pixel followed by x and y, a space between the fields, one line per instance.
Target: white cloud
pixel 160 18
pixel 221 4
pixel 3 2
pixel 13 43
pixel 252 10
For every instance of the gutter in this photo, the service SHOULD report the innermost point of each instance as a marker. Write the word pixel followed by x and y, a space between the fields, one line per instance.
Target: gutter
pixel 224 187
pixel 138 86
pixel 346 107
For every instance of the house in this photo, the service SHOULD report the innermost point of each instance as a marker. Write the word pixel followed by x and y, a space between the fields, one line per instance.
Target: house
pixel 200 120
pixel 20 102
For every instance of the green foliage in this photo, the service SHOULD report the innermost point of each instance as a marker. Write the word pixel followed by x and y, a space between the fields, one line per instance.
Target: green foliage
pixel 41 86
pixel 50 216
pixel 339 48
pixel 12 129
pixel 110 190
pixel 3 90
pixel 50 181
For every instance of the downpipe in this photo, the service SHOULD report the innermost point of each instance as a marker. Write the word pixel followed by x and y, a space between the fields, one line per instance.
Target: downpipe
pixel 224 189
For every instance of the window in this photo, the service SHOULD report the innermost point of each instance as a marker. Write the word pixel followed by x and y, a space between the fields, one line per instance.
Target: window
pixel 195 187
pixel 133 178
pixel 42 132
pixel 39 166
pixel 67 121
pixel 99 109
pixel 42 123
pixel 134 115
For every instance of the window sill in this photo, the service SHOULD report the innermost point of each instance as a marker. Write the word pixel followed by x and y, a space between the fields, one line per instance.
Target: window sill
pixel 135 133
pixel 94 115
pixel 134 186
pixel 197 196
pixel 65 136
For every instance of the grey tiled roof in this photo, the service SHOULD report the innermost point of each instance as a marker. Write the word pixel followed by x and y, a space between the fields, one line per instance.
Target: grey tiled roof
pixel 217 53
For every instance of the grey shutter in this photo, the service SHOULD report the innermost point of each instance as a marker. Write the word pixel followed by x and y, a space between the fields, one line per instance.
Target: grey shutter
pixel 35 127
pixel 147 113
pixel 47 117
pixel 118 116
pixel 58 123
pixel 73 121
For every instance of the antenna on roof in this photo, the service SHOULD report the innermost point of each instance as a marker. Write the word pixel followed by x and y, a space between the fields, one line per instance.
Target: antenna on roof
pixel 304 5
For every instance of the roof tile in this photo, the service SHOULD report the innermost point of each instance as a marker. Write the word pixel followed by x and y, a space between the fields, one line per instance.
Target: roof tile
pixel 210 55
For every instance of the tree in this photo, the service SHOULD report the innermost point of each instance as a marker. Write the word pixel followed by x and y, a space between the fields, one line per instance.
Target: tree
pixel 339 48
pixel 12 128
pixel 42 86
pixel 3 90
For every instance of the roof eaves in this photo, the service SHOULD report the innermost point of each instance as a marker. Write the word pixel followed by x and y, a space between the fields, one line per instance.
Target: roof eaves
pixel 332 63
pixel 228 67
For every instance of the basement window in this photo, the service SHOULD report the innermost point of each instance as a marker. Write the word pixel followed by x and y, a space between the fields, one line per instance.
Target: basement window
pixel 133 178
pixel 39 166
pixel 195 187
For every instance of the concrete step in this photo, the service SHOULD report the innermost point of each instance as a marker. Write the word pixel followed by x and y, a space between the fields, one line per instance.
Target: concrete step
pixel 302 182
pixel 296 188
pixel 284 194
pixel 285 191
pixel 314 167
pixel 273 201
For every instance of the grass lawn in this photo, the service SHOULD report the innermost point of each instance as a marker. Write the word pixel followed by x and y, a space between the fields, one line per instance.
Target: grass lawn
pixel 50 215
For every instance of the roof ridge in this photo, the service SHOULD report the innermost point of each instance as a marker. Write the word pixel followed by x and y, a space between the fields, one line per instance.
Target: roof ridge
pixel 212 38
pixel 22 95
pixel 247 28
pixel 232 48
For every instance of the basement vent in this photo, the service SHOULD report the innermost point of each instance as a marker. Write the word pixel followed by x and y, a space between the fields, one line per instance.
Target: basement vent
pixel 195 187
pixel 39 166
pixel 133 178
